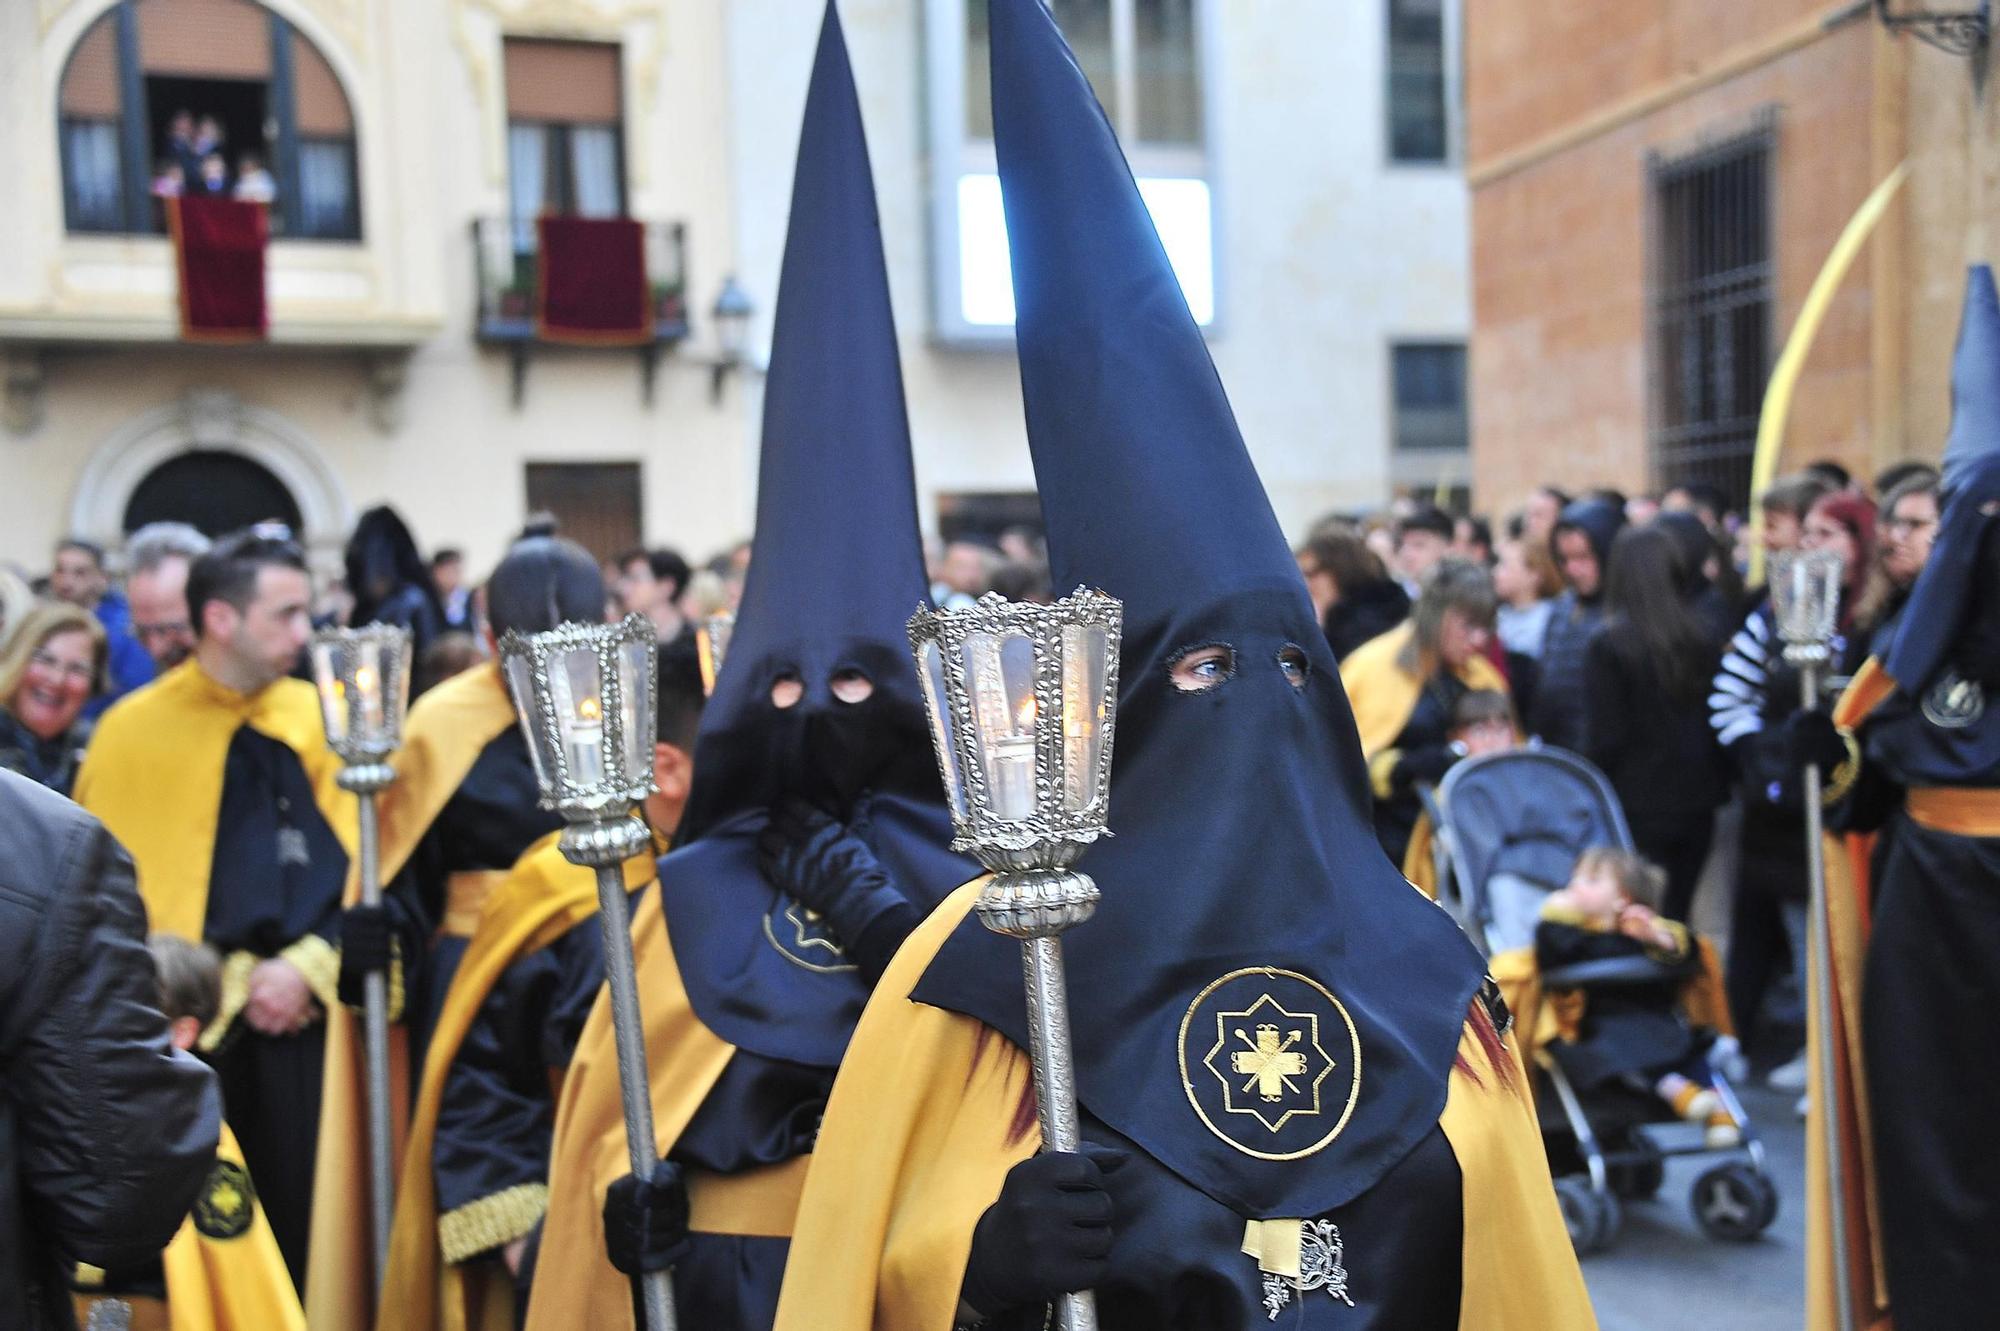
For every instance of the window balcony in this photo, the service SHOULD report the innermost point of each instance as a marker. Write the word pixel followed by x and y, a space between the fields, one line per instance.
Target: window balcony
pixel 508 285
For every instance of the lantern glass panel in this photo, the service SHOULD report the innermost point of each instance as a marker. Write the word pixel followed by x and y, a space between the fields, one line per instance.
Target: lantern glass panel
pixel 521 682
pixel 1085 650
pixel 635 708
pixel 577 691
pixel 1000 679
pixel 367 715
pixel 332 691
pixel 1805 595
pixel 930 660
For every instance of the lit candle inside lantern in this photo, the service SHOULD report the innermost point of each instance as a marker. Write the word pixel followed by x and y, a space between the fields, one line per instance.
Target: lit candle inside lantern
pixel 368 683
pixel 333 707
pixel 585 734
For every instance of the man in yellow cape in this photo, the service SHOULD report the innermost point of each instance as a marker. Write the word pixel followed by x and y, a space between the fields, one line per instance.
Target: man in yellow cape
pixel 1296 1095
pixel 218 780
pixel 817 833
pixel 474 1181
pixel 463 808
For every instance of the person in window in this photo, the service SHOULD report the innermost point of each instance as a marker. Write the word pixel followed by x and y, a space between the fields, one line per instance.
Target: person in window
pixel 390 581
pixel 181 145
pixel 1355 1147
pixel 1646 681
pixel 49 670
pixel 209 137
pixel 169 179
pixel 1352 592
pixel 214 178
pixel 253 183
pixel 1404 685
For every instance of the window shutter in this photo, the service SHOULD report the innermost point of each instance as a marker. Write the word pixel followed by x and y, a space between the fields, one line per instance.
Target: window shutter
pixel 322 106
pixel 90 84
pixel 572 83
pixel 223 39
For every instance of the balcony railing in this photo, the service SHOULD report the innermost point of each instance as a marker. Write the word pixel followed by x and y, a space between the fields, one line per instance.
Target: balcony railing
pixel 506 268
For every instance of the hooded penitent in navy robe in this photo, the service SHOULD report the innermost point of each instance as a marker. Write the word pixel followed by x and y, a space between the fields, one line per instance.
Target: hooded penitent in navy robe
pixel 838 569
pixel 1285 1038
pixel 1928 740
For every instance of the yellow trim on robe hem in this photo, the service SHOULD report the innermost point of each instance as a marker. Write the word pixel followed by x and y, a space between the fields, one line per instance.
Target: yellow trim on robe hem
pixel 215 1283
pixel 154 770
pixel 425 1288
pixel 318 962
pixel 1383 694
pixel 575 1283
pixel 914 1147
pixel 445 733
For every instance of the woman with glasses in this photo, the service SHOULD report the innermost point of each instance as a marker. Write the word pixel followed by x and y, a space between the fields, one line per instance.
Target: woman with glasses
pixel 53 664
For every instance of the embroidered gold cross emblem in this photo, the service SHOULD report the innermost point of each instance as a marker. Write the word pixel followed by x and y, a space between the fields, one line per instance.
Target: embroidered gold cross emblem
pixel 1271 1065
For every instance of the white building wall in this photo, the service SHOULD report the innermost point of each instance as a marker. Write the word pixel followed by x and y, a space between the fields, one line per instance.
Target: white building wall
pixel 1325 254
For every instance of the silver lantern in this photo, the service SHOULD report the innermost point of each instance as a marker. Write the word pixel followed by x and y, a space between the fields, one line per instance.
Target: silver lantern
pixel 1022 702
pixel 585 694
pixel 1805 602
pixel 363 677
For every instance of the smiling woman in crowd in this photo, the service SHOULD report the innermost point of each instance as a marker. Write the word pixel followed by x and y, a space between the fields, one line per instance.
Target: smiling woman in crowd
pixel 52 665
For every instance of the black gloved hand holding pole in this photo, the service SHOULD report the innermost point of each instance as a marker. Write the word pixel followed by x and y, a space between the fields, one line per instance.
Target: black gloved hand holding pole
pixel 1812 738
pixel 1049 1233
pixel 365 946
pixel 646 1221
pixel 820 863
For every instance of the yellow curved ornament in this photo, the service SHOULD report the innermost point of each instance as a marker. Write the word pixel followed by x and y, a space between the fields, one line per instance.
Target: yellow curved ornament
pixel 1778 397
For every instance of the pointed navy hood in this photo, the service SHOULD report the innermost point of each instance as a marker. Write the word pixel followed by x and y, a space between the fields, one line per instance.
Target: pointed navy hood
pixel 1943 599
pixel 1261 1003
pixel 836 569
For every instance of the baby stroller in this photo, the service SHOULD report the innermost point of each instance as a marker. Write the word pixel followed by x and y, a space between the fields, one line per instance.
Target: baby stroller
pixel 1508 829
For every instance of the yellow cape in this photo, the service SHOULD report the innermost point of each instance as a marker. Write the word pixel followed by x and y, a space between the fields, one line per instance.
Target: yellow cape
pixel 154 770
pixel 446 731
pixel 542 898
pixel 1383 693
pixel 1540 1017
pixel 914 1147
pixel 224 1271
pixel 575 1283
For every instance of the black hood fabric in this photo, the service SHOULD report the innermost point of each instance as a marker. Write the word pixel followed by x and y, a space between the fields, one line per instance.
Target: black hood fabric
pixel 836 572
pixel 1262 1003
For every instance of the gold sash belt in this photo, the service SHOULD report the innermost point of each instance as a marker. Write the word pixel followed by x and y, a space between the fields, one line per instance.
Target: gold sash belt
pixel 465 896
pixel 1972 811
pixel 762 1203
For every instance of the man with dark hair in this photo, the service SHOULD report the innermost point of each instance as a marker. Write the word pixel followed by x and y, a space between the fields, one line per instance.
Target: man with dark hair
pixel 1580 543
pixel 469 1204
pixel 1703 500
pixel 464 807
pixel 158 557
pixel 650 583
pixel 219 781
pixel 448 576
pixel 78 576
pixel 1833 473
pixel 1422 539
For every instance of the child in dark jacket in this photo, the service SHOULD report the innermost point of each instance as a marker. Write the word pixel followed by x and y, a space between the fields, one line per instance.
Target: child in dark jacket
pixel 1630 1033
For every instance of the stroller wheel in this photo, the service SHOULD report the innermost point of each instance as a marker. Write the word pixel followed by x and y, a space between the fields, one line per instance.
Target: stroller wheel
pixel 1592 1218
pixel 1639 1178
pixel 1733 1202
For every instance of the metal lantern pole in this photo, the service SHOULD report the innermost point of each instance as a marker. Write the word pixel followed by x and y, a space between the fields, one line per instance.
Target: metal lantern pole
pixel 1021 699
pixel 363 680
pixel 1805 598
pixel 592 772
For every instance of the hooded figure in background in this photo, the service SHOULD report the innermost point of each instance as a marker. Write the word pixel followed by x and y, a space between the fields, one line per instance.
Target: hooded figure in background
pixel 816 833
pixel 389 580
pixel 1297 1101
pixel 1912 755
pixel 1581 544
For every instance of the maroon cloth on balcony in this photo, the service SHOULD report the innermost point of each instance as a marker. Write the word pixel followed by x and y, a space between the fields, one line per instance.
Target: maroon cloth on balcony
pixel 219 248
pixel 593 281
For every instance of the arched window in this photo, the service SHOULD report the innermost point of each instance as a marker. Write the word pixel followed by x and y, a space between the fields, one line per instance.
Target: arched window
pixel 217 95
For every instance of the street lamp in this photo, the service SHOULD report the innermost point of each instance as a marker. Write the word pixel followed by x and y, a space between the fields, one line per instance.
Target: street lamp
pixel 1021 700
pixel 585 693
pixel 732 314
pixel 1805 602
pixel 363 677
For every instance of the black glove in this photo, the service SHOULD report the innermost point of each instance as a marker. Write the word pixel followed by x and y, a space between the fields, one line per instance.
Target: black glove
pixel 1427 764
pixel 820 863
pixel 646 1221
pixel 365 933
pixel 1049 1233
pixel 1812 738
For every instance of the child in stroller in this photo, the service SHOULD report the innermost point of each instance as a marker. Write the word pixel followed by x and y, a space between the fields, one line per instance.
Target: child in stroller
pixel 1632 1033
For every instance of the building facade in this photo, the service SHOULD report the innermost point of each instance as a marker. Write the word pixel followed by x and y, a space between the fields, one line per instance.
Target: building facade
pixel 1303 162
pixel 1654 190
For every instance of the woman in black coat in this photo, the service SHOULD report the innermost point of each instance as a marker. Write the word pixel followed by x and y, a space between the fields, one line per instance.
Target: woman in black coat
pixel 1646 680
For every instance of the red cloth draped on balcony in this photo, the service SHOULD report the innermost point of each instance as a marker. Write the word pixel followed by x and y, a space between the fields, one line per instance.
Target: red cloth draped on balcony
pixel 593 282
pixel 219 250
